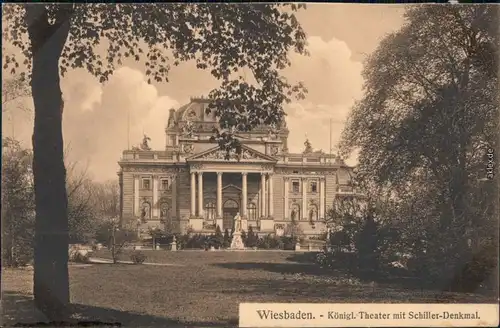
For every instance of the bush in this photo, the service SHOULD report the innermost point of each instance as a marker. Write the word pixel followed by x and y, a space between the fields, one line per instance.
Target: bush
pixel 20 252
pixel 218 238
pixel 288 242
pixel 226 243
pixel 252 238
pixel 366 242
pixel 138 257
pixel 270 242
pixel 78 257
pixel 197 241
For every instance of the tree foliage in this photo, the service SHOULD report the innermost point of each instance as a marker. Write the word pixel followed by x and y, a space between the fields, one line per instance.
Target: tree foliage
pixel 18 217
pixel 221 38
pixel 13 88
pixel 428 116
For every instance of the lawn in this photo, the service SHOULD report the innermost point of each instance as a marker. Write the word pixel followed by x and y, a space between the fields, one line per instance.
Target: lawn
pixel 200 288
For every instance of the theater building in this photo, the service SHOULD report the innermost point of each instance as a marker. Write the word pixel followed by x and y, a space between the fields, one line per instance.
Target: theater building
pixel 190 185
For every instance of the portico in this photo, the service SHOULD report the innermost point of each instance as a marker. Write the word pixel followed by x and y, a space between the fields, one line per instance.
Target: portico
pixel 265 193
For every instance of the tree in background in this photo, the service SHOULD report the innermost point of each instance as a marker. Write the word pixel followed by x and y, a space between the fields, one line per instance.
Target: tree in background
pixel 423 127
pixel 87 204
pixel 18 207
pixel 219 37
pixel 227 239
pixel 218 239
pixel 251 238
pixel 13 88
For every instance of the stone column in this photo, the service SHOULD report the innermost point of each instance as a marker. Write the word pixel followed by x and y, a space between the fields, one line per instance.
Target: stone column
pixel 244 192
pixel 219 194
pixel 322 198
pixel 287 190
pixel 173 213
pixel 193 194
pixel 263 194
pixel 137 211
pixel 154 206
pixel 270 195
pixel 200 194
pixel 304 198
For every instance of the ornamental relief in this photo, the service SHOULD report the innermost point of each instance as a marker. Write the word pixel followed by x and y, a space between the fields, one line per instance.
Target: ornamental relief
pixel 275 150
pixel 319 174
pixel 222 155
pixel 267 167
pixel 188 148
pixel 197 166
pixel 146 169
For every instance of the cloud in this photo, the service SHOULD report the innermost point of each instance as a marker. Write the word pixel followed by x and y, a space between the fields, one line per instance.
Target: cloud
pixel 96 119
pixel 334 83
pixel 110 118
pixel 100 121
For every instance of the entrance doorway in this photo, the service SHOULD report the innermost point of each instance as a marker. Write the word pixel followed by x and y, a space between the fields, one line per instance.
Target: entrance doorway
pixel 231 207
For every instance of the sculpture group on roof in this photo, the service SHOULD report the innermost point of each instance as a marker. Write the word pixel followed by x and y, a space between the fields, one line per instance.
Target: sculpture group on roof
pixel 144 145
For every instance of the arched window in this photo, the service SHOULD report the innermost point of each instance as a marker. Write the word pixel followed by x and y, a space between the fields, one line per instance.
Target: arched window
pixel 313 212
pixel 295 212
pixel 146 211
pixel 230 204
pixel 210 211
pixel 252 211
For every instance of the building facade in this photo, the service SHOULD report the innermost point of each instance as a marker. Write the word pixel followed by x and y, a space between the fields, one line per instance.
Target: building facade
pixel 192 185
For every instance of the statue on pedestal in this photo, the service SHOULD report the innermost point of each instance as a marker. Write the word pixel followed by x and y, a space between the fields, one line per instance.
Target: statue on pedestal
pixel 237 222
pixel 237 242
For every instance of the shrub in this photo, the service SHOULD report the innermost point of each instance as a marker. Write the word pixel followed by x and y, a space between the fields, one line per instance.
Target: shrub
pixel 218 238
pixel 20 252
pixel 288 242
pixel 78 257
pixel 138 257
pixel 198 241
pixel 252 238
pixel 227 239
pixel 270 242
pixel 367 241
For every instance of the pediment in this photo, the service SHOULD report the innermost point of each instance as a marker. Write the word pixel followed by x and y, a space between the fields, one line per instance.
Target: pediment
pixel 247 155
pixel 231 188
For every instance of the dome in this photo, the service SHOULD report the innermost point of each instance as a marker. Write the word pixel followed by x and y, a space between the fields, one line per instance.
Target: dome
pixel 193 111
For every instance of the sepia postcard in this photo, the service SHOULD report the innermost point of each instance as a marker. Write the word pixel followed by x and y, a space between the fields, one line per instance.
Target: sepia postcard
pixel 250 164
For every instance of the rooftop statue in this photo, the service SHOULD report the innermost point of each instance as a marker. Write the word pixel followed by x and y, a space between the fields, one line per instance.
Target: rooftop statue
pixel 308 147
pixel 145 145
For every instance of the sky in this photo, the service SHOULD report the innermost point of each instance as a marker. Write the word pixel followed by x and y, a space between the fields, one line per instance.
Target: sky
pixel 95 128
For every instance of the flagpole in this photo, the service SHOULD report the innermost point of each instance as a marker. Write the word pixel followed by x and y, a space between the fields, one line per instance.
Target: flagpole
pixel 330 140
pixel 128 129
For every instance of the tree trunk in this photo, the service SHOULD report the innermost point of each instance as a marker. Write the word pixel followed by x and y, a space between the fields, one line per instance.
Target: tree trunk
pixel 51 280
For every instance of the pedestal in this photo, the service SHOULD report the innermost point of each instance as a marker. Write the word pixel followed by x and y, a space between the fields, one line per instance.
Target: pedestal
pixel 237 242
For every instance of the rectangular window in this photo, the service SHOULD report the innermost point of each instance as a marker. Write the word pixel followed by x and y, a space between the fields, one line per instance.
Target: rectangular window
pixel 146 184
pixel 296 186
pixel 314 187
pixel 164 184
